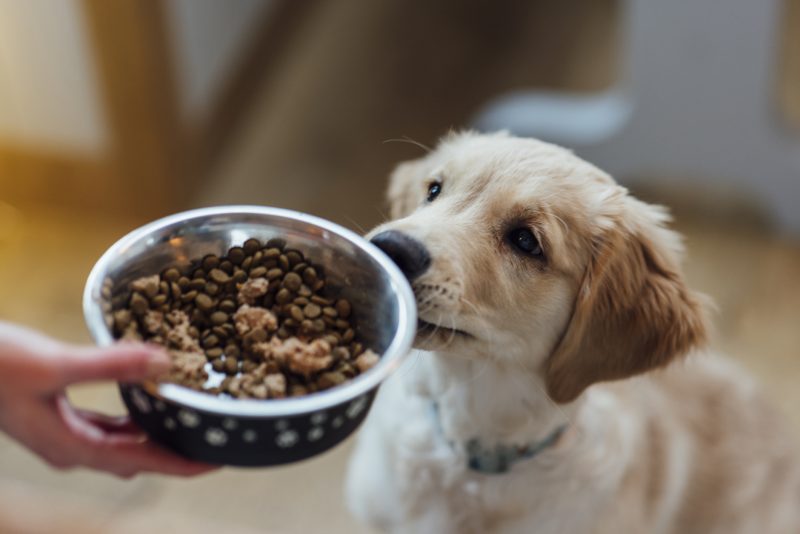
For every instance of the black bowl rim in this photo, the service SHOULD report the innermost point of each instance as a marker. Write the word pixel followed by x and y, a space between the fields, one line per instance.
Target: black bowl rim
pixel 391 359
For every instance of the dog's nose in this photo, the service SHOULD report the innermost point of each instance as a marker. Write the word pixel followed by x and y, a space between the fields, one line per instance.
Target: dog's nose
pixel 409 254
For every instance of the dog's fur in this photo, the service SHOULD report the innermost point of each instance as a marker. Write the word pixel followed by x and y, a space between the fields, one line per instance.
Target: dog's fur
pixel 685 443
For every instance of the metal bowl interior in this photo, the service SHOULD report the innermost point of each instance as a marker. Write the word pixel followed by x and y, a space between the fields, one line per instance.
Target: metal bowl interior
pixel 383 303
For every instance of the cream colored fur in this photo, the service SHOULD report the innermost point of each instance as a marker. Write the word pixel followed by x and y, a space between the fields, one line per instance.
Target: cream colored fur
pixel 663 436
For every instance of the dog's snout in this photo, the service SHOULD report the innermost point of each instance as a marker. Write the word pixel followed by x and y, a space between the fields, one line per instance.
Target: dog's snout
pixel 409 254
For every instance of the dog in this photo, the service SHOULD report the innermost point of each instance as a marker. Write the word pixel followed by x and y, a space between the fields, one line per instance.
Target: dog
pixel 563 381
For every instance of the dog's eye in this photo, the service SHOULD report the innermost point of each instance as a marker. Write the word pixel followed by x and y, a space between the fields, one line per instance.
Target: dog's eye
pixel 433 191
pixel 524 240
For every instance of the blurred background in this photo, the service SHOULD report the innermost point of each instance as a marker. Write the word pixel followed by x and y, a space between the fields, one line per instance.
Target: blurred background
pixel 115 113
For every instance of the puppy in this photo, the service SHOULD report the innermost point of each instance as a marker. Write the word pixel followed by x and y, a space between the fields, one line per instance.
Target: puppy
pixel 562 383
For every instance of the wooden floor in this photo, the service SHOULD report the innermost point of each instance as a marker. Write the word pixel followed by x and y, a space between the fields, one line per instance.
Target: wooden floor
pixel 314 142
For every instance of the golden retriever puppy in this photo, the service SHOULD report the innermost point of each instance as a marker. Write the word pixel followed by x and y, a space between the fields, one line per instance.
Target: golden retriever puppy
pixel 562 384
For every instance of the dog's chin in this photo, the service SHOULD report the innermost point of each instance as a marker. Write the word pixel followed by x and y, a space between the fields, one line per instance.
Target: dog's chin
pixel 432 336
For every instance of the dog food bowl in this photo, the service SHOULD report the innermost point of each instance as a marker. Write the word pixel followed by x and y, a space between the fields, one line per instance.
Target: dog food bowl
pixel 247 432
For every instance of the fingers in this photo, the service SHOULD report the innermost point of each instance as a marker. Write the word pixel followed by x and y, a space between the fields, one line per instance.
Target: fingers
pixel 36 413
pixel 121 362
pixel 121 451
pixel 109 423
pixel 43 364
pixel 129 459
pixel 94 427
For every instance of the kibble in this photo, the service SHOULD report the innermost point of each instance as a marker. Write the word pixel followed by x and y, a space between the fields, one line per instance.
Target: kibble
pixel 257 315
pixel 293 256
pixel 311 311
pixel 296 312
pixel 219 332
pixel 236 255
pixel 283 296
pixel 251 246
pixel 276 242
pixel 171 275
pixel 231 365
pixel 139 304
pixel 210 341
pixel 343 308
pixel 204 302
pixel 292 281
pixel 348 335
pixel 210 262
pixel 258 272
pixel 219 318
pixel 227 306
pixel 309 275
pixel 219 276
pixel 198 283
pixel 304 291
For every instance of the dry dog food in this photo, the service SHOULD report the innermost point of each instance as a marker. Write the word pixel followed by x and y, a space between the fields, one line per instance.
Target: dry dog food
pixel 253 323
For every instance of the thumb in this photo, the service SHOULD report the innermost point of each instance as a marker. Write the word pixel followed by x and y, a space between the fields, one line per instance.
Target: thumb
pixel 123 362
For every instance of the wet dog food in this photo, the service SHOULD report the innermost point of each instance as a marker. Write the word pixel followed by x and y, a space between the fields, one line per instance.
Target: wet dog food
pixel 254 323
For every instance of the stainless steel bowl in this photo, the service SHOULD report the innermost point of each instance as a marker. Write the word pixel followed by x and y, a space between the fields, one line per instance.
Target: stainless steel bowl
pixel 257 432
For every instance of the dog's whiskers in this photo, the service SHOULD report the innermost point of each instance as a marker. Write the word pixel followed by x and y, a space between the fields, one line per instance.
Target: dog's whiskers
pixel 488 333
pixel 452 331
pixel 407 139
pixel 384 216
pixel 357 225
pixel 415 356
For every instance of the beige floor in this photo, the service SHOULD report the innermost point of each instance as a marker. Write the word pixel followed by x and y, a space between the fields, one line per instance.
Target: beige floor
pixel 314 142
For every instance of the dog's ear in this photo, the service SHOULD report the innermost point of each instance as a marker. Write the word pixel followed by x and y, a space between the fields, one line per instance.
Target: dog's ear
pixel 406 188
pixel 633 311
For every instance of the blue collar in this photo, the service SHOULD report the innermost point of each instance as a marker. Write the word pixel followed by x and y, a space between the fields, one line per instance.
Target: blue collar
pixel 500 459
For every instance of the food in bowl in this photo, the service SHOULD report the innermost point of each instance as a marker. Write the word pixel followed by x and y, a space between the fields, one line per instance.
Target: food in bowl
pixel 257 322
pixel 225 430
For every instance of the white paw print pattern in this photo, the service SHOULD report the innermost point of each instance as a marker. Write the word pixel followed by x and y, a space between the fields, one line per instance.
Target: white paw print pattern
pixel 249 436
pixel 315 433
pixel 281 425
pixel 169 423
pixel 319 418
pixel 229 424
pixel 337 422
pixel 140 401
pixel 188 418
pixel 356 407
pixel 159 406
pixel 286 439
pixel 216 437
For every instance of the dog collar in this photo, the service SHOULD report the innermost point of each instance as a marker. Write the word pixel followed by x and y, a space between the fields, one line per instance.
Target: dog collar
pixel 500 458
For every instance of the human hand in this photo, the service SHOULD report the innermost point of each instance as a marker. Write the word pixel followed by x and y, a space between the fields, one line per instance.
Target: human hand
pixel 34 410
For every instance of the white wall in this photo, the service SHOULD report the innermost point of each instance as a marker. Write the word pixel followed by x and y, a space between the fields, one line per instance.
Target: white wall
pixel 207 37
pixel 48 87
